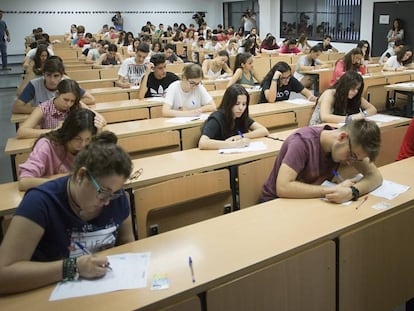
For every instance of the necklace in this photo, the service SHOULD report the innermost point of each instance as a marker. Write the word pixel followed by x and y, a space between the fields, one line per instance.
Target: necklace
pixel 72 203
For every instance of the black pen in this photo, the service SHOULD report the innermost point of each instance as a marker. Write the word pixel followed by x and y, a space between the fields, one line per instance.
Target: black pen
pixel 190 263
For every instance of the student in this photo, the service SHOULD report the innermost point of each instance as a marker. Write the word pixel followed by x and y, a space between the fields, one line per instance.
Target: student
pixel 188 97
pixel 41 89
pixel 217 67
pixel 400 61
pixel 230 126
pixel 269 45
pixel 34 67
pixel 89 207
pixel 54 151
pixel 290 47
pixel 170 55
pixel 350 62
pixel 279 83
pixel 109 59
pixel 309 61
pixel 94 53
pixel 366 50
pixel 312 154
pixel 50 114
pixel 133 69
pixel 407 145
pixel 326 45
pixel 343 102
pixel 244 73
pixel 391 51
pixel 156 79
pixel 303 44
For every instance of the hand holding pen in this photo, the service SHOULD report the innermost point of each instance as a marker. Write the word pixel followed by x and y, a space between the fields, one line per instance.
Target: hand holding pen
pixel 91 265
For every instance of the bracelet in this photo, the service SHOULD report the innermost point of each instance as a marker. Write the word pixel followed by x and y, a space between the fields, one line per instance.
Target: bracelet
pixel 274 79
pixel 355 193
pixel 348 119
pixel 70 271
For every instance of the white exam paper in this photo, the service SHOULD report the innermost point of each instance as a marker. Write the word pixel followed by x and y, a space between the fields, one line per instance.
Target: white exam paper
pixel 182 120
pixel 253 146
pixel 129 271
pixel 389 190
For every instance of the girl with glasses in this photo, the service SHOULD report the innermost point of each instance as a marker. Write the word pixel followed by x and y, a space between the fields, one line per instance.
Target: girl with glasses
pixel 60 224
pixel 188 97
pixel 279 83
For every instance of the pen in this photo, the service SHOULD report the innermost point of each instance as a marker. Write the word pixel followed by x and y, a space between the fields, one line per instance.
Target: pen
pixel 241 134
pixel 88 252
pixel 362 202
pixel 275 138
pixel 336 174
pixel 190 263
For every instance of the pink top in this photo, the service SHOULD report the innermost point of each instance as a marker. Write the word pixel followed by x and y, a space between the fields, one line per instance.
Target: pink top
pixel 46 159
pixel 339 70
pixel 285 50
pixel 51 117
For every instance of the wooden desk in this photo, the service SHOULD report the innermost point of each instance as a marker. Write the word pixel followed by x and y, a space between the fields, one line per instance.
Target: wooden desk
pixel 295 237
pixel 405 89
pixel 322 78
pixel 218 96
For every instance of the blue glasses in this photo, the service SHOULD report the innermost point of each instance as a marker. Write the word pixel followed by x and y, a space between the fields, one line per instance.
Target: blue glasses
pixel 103 194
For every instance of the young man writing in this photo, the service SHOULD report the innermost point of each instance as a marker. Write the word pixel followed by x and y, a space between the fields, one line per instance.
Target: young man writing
pixel 133 69
pixel 311 155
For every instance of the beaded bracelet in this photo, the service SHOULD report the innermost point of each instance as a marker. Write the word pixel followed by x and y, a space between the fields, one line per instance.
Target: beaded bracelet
pixel 70 270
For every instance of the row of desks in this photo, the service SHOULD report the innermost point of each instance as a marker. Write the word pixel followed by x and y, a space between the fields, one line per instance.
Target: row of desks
pixel 158 133
pixel 283 254
pixel 163 171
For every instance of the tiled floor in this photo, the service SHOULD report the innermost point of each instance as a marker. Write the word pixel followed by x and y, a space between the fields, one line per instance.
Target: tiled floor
pixel 9 80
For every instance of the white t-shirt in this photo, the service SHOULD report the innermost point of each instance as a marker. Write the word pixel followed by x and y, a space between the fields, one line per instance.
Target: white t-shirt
pixel 393 62
pixel 132 71
pixel 304 61
pixel 180 100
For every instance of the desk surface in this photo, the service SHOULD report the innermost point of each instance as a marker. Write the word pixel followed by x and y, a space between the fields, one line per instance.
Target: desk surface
pixel 284 227
pixel 141 127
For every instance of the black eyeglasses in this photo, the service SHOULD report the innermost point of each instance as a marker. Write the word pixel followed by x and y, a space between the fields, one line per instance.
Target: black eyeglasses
pixel 352 155
pixel 286 78
pixel 192 83
pixel 103 194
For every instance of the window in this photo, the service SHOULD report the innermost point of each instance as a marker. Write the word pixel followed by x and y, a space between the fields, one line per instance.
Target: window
pixel 233 11
pixel 340 19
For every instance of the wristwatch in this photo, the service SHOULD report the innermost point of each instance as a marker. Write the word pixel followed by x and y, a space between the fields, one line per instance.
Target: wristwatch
pixel 355 193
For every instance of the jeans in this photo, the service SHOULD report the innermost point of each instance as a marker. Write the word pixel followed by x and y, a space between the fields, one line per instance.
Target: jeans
pixel 3 51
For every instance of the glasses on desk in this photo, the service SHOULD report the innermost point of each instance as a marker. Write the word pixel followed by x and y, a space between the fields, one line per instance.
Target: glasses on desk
pixel 135 175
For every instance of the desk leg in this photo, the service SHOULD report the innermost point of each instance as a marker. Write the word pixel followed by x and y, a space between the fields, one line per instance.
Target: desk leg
pixel 409 108
pixel 13 166
pixel 316 85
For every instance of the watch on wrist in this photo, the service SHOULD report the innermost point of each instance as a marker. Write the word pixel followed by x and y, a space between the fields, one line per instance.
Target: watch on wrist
pixel 355 193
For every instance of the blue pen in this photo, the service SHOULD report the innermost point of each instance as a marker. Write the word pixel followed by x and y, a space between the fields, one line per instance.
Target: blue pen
pixel 83 248
pixel 190 263
pixel 336 174
pixel 194 104
pixel 241 134
pixel 88 252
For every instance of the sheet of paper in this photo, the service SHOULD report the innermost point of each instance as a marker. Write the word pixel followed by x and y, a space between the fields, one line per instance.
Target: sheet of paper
pixel 135 87
pixel 253 146
pixel 389 190
pixel 299 101
pixel 328 183
pixel 155 99
pixel 383 118
pixel 182 120
pixel 129 271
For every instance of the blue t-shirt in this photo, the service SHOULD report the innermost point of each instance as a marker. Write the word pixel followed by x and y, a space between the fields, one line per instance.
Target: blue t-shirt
pixel 48 206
